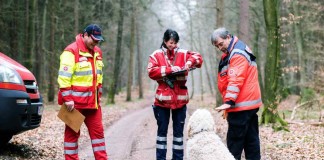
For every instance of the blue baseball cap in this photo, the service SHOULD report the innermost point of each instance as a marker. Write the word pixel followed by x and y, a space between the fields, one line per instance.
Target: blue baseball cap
pixel 94 31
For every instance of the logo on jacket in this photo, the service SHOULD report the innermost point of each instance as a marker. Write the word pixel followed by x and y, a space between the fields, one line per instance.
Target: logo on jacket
pixel 231 72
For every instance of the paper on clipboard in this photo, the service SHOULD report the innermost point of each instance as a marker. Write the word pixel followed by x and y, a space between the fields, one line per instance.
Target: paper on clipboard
pixel 73 119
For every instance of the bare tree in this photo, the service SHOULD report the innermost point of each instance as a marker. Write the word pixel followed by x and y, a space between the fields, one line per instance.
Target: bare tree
pixel 76 16
pixel 113 85
pixel 131 55
pixel 139 60
pixel 52 58
pixel 270 114
pixel 244 21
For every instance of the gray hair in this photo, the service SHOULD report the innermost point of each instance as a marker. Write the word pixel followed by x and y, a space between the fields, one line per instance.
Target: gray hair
pixel 219 33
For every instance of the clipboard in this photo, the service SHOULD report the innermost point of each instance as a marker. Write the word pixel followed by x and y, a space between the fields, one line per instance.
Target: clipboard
pixel 183 71
pixel 73 119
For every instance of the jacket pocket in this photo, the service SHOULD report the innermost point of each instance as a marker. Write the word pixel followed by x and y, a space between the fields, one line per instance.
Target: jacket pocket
pixel 183 97
pixel 164 96
pixel 81 95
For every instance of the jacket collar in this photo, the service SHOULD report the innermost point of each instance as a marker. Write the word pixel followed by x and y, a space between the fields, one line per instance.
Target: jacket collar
pixel 232 43
pixel 80 43
pixel 165 50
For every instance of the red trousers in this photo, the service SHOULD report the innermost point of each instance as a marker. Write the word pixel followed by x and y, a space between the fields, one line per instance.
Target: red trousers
pixel 93 121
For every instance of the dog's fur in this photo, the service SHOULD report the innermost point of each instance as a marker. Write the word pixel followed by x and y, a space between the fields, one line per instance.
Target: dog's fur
pixel 203 143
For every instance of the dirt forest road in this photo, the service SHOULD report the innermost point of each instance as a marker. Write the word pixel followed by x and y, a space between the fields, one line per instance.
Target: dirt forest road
pixel 132 137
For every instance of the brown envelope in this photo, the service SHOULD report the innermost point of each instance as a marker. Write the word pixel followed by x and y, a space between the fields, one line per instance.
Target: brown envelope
pixel 73 119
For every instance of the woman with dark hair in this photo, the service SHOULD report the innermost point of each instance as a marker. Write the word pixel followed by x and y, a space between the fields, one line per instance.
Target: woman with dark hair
pixel 172 94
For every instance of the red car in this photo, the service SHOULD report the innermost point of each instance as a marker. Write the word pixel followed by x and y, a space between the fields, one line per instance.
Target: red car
pixel 21 105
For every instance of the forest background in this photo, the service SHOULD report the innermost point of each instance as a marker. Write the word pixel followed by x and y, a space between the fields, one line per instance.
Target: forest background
pixel 286 36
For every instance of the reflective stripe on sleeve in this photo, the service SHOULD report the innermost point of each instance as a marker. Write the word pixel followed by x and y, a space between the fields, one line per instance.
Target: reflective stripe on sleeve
pixel 233 89
pixel 230 95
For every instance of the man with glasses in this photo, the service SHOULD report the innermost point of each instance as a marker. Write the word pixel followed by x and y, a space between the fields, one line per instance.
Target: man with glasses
pixel 238 83
pixel 80 82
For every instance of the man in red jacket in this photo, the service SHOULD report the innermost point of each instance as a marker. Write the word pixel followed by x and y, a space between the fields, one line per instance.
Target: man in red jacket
pixel 238 83
pixel 171 94
pixel 80 82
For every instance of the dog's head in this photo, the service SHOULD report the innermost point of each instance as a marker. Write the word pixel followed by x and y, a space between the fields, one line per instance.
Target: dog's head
pixel 201 120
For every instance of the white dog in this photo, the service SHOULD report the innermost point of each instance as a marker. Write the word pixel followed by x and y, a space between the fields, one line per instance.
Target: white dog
pixel 203 143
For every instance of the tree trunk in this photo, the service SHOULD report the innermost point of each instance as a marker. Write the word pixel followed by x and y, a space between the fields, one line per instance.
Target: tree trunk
pixel 270 114
pixel 256 53
pixel 131 56
pixel 191 44
pixel 220 14
pixel 113 85
pixel 13 39
pixel 37 61
pixel 76 17
pixel 139 60
pixel 52 57
pixel 244 21
pixel 44 63
pixel 26 38
pixel 200 70
pixel 299 43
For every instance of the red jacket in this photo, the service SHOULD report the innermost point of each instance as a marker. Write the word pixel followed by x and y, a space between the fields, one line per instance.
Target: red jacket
pixel 238 78
pixel 80 75
pixel 159 65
